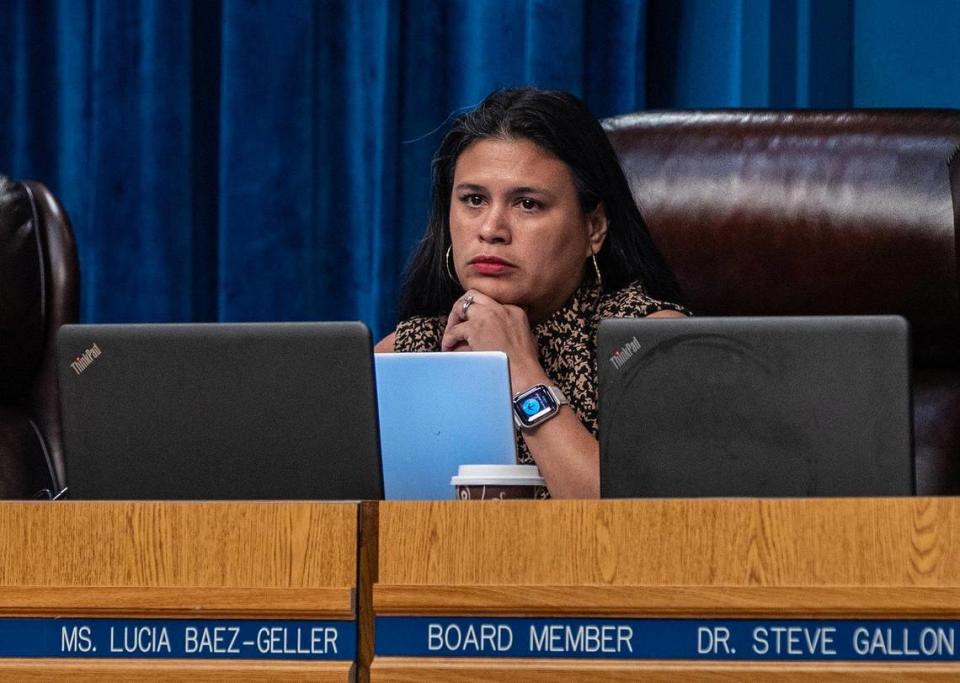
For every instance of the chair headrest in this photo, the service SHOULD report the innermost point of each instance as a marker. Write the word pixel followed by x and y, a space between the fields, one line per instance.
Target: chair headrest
pixel 22 290
pixel 805 212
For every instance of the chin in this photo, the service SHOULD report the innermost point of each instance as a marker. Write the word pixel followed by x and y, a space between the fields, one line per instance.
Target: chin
pixel 500 291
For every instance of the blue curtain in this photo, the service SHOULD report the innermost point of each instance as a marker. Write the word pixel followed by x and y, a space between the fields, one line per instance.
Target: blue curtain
pixel 269 160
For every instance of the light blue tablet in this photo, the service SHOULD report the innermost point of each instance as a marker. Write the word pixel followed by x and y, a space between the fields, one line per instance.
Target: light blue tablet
pixel 439 411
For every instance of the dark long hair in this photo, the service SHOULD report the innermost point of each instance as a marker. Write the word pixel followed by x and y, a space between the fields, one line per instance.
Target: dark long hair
pixel 563 126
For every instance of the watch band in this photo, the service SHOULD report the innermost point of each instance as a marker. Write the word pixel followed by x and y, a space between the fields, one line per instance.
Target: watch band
pixel 558 395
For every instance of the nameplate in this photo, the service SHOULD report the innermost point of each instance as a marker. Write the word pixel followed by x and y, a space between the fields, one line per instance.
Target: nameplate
pixel 178 638
pixel 710 639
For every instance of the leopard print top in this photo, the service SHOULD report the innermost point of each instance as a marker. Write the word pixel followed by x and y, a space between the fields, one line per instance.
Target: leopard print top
pixel 566 341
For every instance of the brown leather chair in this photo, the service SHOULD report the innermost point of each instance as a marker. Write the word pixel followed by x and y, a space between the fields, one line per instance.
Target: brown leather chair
pixel 39 291
pixel 817 212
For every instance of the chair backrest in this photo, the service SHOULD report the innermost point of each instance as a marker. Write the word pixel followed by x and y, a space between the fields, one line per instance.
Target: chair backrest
pixel 39 291
pixel 816 212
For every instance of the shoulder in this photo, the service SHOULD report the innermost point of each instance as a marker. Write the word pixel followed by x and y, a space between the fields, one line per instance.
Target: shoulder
pixel 633 302
pixel 419 333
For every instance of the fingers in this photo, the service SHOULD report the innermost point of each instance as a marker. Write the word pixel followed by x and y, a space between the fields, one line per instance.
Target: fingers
pixel 455 336
pixel 472 313
pixel 480 298
pixel 470 298
pixel 456 331
pixel 460 312
pixel 456 311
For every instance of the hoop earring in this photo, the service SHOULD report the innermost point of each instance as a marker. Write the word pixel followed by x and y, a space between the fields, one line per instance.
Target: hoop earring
pixel 446 262
pixel 596 269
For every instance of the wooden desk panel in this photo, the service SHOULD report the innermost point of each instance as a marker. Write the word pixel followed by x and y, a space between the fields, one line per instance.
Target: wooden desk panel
pixel 671 556
pixel 266 559
pixel 401 670
pixel 198 560
pixel 681 558
pixel 174 670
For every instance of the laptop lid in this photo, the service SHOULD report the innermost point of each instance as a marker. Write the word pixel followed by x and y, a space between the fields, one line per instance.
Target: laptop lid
pixel 439 411
pixel 219 411
pixel 806 406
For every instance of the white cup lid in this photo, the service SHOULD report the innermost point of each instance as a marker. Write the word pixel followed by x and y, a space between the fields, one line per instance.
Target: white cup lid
pixel 497 475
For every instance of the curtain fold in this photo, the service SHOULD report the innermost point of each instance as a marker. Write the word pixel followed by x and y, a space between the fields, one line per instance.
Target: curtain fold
pixel 253 160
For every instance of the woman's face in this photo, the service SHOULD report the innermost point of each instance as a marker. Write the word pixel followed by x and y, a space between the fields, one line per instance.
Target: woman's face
pixel 518 232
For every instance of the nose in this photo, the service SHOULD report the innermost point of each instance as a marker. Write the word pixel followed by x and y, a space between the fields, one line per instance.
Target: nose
pixel 495 227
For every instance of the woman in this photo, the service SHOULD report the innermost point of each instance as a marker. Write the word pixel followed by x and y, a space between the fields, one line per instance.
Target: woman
pixel 533 239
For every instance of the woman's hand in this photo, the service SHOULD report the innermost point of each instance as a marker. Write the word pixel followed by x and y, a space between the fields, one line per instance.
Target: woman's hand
pixel 487 325
pixel 566 453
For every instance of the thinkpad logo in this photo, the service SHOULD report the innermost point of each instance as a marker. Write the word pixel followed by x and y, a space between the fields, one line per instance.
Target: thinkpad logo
pixel 85 359
pixel 624 353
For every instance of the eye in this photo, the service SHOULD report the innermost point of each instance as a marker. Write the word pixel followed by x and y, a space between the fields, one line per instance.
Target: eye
pixel 472 200
pixel 528 204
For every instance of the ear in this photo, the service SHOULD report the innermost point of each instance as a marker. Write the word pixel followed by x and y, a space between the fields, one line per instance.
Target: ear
pixel 597 225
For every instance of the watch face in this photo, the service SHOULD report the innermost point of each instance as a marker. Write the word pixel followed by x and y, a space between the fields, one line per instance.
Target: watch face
pixel 534 405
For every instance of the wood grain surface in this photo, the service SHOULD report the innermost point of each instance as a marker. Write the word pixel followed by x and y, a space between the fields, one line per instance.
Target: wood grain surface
pixel 367 559
pixel 402 670
pixel 264 559
pixel 705 602
pixel 682 556
pixel 172 670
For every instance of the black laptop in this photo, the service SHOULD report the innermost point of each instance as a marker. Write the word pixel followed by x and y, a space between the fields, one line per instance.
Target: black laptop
pixel 220 411
pixel 804 406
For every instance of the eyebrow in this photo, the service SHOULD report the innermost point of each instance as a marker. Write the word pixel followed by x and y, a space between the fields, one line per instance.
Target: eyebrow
pixel 524 189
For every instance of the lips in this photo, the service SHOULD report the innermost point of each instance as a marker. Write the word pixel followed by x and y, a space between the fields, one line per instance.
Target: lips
pixel 490 265
pixel 489 259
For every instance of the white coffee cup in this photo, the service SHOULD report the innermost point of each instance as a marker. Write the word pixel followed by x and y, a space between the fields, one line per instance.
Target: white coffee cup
pixel 499 482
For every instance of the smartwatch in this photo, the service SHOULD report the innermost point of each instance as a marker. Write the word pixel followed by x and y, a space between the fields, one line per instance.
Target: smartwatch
pixel 537 404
